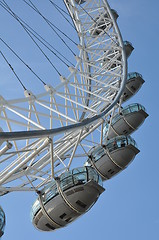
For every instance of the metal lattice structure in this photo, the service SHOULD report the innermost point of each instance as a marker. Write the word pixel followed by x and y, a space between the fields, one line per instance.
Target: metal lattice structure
pixel 43 134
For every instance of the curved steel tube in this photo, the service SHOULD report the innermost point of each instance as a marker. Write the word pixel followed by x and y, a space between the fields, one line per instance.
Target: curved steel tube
pixel 48 132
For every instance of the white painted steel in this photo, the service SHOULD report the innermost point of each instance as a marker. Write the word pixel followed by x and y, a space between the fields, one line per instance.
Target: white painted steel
pixel 72 111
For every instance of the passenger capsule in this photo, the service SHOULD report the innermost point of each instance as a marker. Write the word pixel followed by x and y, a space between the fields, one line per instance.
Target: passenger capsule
pixel 133 84
pixel 126 122
pixel 128 48
pixel 115 14
pixel 62 201
pixel 102 23
pixel 2 222
pixel 113 156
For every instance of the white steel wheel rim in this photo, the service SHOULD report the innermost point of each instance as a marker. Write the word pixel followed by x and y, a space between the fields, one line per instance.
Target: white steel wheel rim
pixel 88 94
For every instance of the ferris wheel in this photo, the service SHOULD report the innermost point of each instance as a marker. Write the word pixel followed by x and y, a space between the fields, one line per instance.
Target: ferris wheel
pixel 64 138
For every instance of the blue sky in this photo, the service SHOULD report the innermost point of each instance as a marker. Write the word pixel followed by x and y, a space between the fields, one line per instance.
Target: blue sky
pixel 128 209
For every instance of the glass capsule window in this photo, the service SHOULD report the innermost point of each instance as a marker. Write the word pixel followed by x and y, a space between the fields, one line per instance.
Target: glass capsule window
pixel 132 108
pixel 116 118
pixel 135 107
pixel 35 208
pixel 97 152
pixel 111 145
pixel 105 129
pixel 79 176
pixel 133 75
pixel 67 180
pixel 49 191
pixel 118 142
pixel 92 174
pixel 126 43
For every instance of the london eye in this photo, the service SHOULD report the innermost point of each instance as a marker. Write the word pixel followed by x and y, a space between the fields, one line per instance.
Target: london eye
pixel 65 128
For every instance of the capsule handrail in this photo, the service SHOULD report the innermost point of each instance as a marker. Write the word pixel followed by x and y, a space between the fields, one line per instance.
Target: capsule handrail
pixel 66 181
pixel 111 145
pixel 134 107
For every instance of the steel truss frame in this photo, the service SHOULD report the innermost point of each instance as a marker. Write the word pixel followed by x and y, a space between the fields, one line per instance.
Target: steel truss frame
pixel 57 122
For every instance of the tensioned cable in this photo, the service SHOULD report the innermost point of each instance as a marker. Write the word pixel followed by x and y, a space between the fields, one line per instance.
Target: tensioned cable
pixel 15 16
pixel 83 123
pixel 36 10
pixel 53 51
pixel 13 70
pixel 21 60
pixel 72 17
pixel 35 34
pixel 49 22
pixel 52 26
pixel 31 183
pixel 58 9
pixel 91 18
